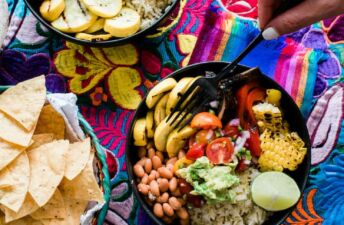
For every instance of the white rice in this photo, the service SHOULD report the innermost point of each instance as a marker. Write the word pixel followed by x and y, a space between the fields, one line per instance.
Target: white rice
pixel 150 10
pixel 243 212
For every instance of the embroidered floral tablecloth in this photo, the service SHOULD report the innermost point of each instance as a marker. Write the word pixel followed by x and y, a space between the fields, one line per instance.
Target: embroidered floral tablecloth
pixel 110 82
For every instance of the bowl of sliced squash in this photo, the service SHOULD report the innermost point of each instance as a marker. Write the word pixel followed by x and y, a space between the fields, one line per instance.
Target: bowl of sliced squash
pixel 244 158
pixel 102 22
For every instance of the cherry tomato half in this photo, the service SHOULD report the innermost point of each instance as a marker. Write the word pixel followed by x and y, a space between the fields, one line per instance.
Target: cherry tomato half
pixel 196 151
pixel 205 136
pixel 220 151
pixel 231 131
pixel 254 142
pixel 206 120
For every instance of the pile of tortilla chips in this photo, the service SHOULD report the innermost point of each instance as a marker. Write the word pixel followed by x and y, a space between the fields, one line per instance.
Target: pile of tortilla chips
pixel 44 179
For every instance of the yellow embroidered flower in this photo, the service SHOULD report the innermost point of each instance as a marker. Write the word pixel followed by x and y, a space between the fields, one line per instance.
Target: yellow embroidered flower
pixel 98 96
pixel 87 67
pixel 186 44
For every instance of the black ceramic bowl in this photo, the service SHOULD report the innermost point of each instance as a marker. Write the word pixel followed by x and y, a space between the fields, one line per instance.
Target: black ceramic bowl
pixel 292 114
pixel 34 5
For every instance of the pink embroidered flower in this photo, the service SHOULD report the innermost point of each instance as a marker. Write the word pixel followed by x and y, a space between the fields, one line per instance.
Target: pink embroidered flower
pixel 152 65
pixel 98 96
pixel 243 8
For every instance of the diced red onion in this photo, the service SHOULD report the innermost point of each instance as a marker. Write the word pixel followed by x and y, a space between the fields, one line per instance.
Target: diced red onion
pixel 241 140
pixel 214 104
pixel 234 122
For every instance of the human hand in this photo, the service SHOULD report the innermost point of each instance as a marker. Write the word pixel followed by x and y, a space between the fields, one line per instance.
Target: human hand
pixel 302 15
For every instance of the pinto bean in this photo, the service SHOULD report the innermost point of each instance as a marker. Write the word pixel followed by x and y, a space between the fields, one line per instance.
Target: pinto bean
pixel 183 214
pixel 145 179
pixel 138 170
pixel 152 175
pixel 163 198
pixel 168 210
pixel 148 165
pixel 143 188
pixel 173 184
pixel 156 162
pixel 174 203
pixel 154 188
pixel 158 211
pixel 165 173
pixel 163 184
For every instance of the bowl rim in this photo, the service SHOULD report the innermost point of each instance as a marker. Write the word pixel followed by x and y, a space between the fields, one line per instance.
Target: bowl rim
pixel 129 169
pixel 105 43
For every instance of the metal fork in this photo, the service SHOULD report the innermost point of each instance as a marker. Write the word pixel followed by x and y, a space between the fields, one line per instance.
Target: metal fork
pixel 204 89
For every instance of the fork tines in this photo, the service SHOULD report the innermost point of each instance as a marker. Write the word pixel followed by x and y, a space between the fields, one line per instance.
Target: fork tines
pixel 192 101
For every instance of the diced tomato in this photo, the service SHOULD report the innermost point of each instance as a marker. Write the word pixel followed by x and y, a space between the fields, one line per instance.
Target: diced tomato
pixel 192 140
pixel 205 136
pixel 220 151
pixel 241 96
pixel 184 186
pixel 254 142
pixel 206 121
pixel 196 151
pixel 195 200
pixel 242 166
pixel 231 131
pixel 257 94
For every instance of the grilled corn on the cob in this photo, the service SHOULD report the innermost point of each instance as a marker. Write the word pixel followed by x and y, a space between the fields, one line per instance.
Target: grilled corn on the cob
pixel 281 151
pixel 268 117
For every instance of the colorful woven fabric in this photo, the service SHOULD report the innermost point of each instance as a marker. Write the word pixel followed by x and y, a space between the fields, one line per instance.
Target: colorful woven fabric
pixel 111 82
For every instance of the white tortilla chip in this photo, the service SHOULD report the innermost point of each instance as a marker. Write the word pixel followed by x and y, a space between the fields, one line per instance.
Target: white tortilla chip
pixel 74 209
pixel 18 174
pixel 84 186
pixel 55 208
pixel 25 221
pixel 28 207
pixel 47 166
pixel 77 158
pixel 14 134
pixel 8 153
pixel 50 121
pixel 24 101
pixel 41 139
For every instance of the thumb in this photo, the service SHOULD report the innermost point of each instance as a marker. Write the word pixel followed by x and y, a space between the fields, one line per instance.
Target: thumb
pixel 302 15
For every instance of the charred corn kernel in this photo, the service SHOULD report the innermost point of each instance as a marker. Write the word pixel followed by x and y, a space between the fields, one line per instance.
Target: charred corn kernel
pixel 273 96
pixel 281 151
pixel 268 117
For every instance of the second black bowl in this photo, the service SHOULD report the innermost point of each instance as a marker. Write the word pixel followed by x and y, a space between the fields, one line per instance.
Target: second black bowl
pixel 34 5
pixel 292 115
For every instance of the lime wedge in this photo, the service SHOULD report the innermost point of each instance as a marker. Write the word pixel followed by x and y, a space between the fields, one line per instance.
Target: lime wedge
pixel 275 191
